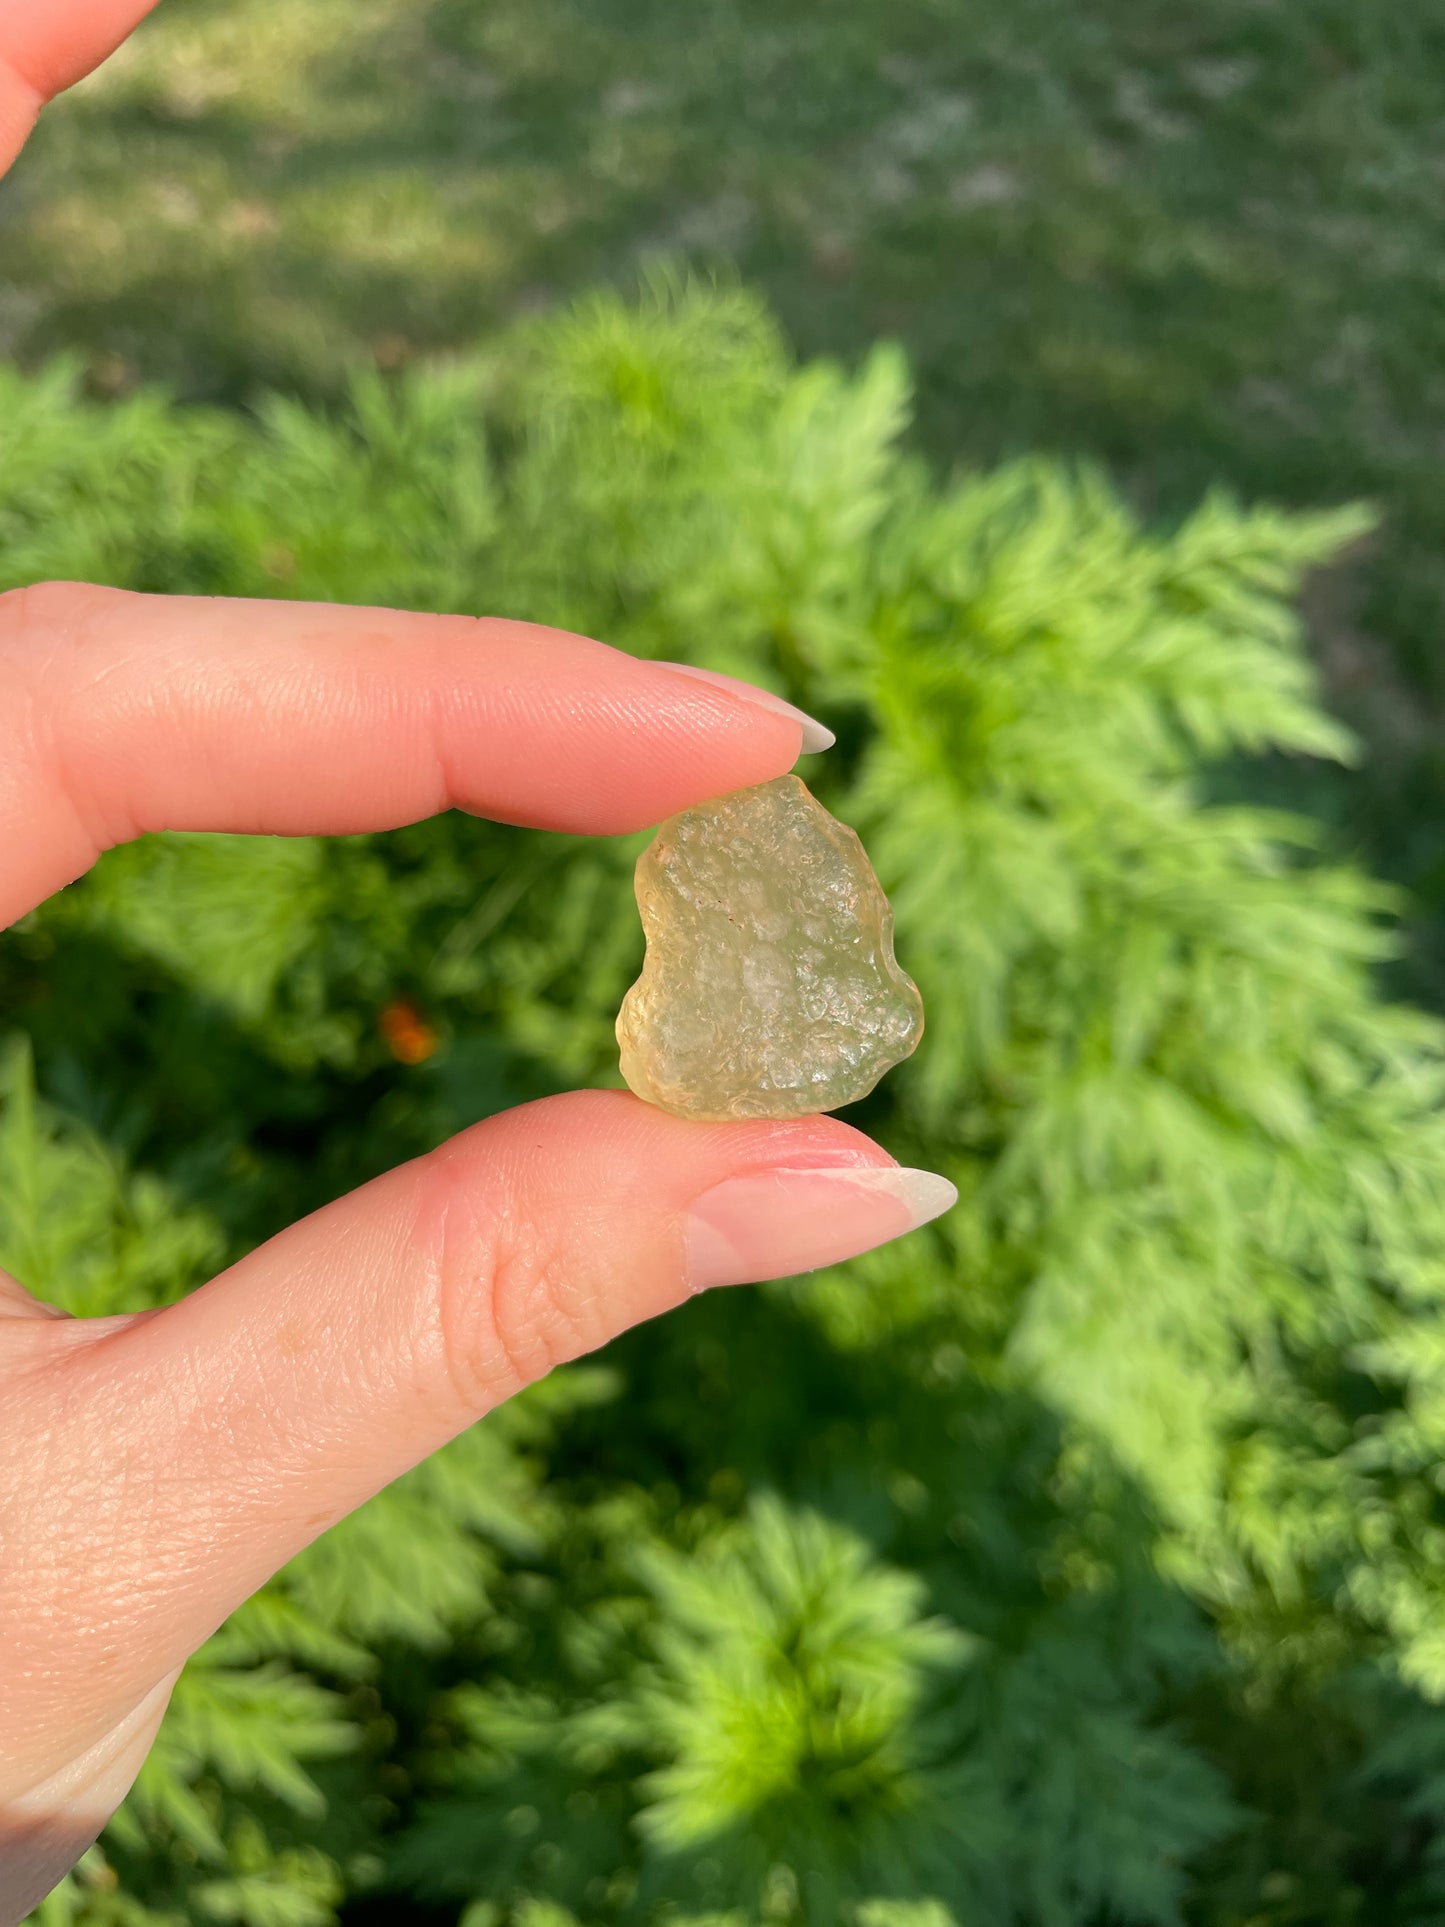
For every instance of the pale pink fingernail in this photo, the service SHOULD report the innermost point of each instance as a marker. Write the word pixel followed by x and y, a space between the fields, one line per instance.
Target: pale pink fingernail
pixel 816 735
pixel 771 1224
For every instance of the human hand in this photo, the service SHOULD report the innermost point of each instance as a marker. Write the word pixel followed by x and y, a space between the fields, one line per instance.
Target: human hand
pixel 156 1468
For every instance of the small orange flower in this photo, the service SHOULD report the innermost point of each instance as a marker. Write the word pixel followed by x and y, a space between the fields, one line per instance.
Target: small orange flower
pixel 410 1038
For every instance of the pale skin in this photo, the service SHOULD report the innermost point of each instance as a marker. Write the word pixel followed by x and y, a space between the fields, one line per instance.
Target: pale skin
pixel 155 1468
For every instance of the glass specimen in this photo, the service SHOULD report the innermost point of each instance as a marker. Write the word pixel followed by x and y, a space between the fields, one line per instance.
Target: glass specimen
pixel 769 988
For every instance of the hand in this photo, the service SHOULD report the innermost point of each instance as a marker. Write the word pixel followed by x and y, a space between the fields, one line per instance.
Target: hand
pixel 156 1468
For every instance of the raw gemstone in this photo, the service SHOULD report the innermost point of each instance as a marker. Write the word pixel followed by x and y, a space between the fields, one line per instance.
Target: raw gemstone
pixel 769 988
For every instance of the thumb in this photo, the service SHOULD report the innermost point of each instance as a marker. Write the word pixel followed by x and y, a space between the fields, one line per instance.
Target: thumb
pixel 181 1456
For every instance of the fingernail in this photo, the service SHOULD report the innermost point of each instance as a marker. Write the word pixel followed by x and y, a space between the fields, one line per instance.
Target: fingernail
pixel 772 1224
pixel 815 735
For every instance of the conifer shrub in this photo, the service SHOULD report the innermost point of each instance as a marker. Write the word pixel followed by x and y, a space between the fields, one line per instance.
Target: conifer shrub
pixel 1080 1560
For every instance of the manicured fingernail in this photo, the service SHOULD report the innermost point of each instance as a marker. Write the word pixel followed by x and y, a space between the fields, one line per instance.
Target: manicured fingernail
pixel 815 735
pixel 771 1224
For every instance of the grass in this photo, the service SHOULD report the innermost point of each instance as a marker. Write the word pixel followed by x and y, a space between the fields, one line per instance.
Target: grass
pixel 1204 245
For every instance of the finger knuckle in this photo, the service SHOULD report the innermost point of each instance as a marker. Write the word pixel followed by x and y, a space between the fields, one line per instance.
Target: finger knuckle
pixel 510 1304
pixel 45 630
pixel 43 608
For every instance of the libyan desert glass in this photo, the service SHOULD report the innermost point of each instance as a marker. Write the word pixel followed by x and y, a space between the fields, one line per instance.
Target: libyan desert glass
pixel 769 987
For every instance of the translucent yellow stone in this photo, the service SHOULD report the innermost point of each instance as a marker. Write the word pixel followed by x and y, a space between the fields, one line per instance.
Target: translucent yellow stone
pixel 769 987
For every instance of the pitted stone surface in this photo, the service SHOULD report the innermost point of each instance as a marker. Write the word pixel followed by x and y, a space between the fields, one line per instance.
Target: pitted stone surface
pixel 769 987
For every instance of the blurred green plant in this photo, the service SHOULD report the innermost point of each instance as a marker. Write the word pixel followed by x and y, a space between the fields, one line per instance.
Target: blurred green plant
pixel 1080 1560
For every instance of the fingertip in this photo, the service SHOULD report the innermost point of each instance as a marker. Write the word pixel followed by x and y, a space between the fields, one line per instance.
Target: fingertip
pixel 778 1222
pixel 19 107
pixel 621 1129
pixel 628 741
pixel 814 736
pixel 52 47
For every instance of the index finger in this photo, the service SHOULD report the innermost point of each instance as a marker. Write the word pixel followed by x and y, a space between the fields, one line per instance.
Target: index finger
pixel 47 45
pixel 122 713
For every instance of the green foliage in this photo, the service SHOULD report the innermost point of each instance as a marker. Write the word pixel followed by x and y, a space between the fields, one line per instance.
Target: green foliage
pixel 1079 1560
